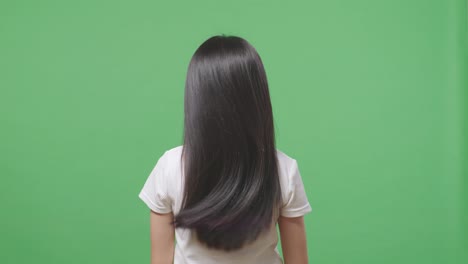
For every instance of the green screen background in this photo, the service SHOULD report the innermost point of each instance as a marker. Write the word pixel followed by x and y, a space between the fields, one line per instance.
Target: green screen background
pixel 369 97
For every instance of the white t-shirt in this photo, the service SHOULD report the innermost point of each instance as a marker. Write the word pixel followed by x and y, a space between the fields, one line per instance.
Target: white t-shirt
pixel 162 193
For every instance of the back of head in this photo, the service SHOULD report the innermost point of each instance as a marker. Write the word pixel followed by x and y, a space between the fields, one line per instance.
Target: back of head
pixel 232 191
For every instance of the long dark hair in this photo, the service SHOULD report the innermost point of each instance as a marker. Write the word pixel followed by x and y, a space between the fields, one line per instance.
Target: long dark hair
pixel 231 191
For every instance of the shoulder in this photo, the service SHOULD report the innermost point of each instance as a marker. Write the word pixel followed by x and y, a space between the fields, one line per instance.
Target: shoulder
pixel 287 167
pixel 171 158
pixel 174 151
pixel 285 160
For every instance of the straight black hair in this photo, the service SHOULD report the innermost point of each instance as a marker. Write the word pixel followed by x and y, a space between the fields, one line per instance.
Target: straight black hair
pixel 232 191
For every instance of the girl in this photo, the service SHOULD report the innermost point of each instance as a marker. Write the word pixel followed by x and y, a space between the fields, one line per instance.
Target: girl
pixel 221 193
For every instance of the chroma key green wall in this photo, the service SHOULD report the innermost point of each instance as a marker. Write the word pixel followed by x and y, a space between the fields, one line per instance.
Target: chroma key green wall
pixel 369 96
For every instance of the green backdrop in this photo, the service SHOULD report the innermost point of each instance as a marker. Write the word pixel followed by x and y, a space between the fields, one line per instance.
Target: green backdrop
pixel 369 97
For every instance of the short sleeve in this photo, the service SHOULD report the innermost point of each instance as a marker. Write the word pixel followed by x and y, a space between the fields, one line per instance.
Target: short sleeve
pixel 297 203
pixel 154 192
